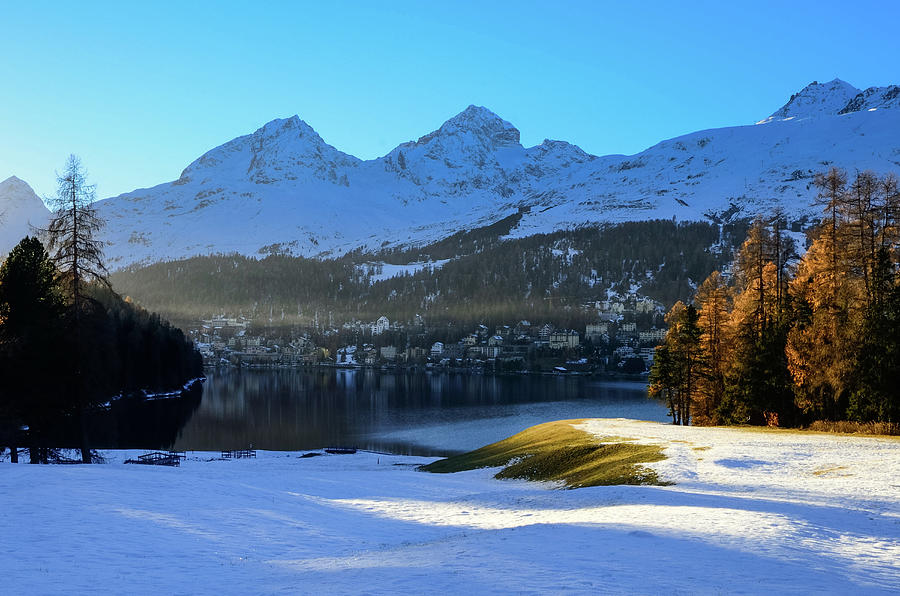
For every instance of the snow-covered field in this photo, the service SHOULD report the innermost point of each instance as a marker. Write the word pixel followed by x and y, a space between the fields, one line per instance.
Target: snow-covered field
pixel 751 512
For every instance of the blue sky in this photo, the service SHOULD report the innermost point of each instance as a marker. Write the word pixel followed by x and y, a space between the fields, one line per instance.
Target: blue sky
pixel 139 90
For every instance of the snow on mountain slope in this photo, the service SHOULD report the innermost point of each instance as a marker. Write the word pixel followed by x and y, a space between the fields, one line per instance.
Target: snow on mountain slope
pixel 20 211
pixel 874 98
pixel 815 100
pixel 283 189
pixel 704 174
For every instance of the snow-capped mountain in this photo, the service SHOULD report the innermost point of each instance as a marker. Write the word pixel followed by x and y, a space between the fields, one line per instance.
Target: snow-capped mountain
pixel 816 100
pixel 20 212
pixel 284 189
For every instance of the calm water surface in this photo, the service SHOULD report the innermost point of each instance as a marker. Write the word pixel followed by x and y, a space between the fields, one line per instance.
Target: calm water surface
pixel 418 413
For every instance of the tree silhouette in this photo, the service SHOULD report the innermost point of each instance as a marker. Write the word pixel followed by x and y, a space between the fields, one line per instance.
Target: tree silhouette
pixel 31 311
pixel 78 254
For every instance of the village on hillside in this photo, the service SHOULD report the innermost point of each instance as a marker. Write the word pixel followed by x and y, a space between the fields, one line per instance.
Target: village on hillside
pixel 621 340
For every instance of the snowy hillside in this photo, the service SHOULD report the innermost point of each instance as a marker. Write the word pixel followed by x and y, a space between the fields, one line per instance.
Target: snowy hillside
pixel 20 209
pixel 284 189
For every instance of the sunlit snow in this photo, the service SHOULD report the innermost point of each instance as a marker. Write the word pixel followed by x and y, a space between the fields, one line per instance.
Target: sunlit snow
pixel 751 511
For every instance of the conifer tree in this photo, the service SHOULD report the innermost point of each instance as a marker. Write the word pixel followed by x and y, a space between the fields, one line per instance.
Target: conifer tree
pixel 31 310
pixel 877 368
pixel 841 283
pixel 72 234
pixel 832 198
pixel 757 387
pixel 663 382
pixel 714 299
pixel 78 254
pixel 676 366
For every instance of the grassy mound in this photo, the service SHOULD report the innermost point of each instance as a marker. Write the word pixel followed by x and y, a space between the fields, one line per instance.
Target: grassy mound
pixel 556 451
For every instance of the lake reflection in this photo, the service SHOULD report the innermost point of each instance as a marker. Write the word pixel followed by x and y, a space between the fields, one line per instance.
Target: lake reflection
pixel 415 413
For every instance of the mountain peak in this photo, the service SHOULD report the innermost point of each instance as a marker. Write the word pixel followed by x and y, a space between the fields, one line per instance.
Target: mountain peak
pixel 476 114
pixel 272 152
pixel 20 209
pixel 480 122
pixel 293 127
pixel 14 183
pixel 816 99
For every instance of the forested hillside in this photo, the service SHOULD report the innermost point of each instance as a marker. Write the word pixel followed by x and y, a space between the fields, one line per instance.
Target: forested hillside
pixel 486 277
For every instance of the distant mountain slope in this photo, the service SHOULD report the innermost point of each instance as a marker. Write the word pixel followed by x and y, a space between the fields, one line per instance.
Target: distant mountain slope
pixel 874 98
pixel 20 211
pixel 283 189
pixel 815 100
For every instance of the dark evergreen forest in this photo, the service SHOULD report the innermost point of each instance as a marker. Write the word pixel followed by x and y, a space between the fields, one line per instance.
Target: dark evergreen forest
pixel 60 366
pixel 489 277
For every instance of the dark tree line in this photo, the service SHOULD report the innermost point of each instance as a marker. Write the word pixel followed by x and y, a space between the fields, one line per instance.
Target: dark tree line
pixel 53 376
pixel 67 341
pixel 489 280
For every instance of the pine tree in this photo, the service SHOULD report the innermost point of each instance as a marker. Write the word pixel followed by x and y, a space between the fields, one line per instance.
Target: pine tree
pixel 72 233
pixel 31 311
pixel 676 366
pixel 78 255
pixel 663 382
pixel 877 368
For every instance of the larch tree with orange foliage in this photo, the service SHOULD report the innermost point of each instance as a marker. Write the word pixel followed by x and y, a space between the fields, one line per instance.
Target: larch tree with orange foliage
pixel 714 299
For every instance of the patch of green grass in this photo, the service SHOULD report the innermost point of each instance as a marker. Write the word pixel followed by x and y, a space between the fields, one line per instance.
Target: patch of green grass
pixel 559 452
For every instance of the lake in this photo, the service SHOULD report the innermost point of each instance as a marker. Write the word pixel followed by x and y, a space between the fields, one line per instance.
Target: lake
pixel 409 413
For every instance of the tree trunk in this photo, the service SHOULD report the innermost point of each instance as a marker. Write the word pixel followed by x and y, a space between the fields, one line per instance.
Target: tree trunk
pixel 673 410
pixel 35 455
pixel 13 454
pixel 85 449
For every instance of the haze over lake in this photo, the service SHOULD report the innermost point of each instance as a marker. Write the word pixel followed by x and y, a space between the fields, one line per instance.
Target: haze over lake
pixel 417 413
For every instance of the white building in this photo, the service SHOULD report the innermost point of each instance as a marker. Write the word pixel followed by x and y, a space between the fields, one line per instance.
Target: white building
pixel 545 332
pixel 560 340
pixel 381 325
pixel 653 336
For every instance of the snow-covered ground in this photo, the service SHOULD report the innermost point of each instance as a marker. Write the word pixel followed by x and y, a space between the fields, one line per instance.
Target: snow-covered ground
pixel 751 512
pixel 381 271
